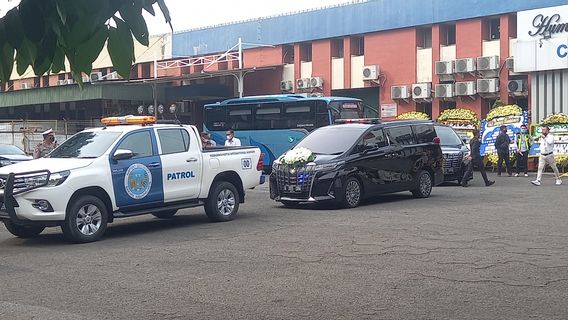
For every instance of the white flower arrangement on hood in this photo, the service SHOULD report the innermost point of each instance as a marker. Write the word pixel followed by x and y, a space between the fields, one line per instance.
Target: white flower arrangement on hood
pixel 297 156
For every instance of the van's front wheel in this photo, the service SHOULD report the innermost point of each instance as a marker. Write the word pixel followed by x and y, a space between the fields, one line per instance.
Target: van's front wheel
pixel 223 202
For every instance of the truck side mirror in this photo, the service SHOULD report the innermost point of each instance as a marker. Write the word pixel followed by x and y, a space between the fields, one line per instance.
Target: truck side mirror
pixel 122 154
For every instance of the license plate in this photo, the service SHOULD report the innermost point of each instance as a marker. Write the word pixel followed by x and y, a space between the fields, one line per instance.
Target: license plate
pixel 292 188
pixel 449 170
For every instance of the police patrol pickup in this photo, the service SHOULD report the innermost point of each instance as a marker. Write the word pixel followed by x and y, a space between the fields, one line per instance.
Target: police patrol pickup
pixel 130 167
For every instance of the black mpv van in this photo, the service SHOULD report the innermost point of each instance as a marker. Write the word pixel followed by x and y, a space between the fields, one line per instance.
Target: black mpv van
pixel 357 161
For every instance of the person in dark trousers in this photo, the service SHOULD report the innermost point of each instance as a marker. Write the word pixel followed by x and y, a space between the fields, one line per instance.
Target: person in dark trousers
pixel 523 141
pixel 475 159
pixel 502 146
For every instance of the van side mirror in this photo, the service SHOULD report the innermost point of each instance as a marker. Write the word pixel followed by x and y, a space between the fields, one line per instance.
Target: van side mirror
pixel 122 154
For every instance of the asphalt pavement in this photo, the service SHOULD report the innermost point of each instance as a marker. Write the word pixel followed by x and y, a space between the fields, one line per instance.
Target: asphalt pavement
pixel 498 252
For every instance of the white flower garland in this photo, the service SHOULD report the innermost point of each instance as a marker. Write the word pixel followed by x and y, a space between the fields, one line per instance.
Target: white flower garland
pixel 297 156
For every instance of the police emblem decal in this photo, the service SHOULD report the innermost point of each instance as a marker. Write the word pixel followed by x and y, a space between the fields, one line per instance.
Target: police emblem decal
pixel 138 181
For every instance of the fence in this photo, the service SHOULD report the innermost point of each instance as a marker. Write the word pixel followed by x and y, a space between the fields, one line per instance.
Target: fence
pixel 26 134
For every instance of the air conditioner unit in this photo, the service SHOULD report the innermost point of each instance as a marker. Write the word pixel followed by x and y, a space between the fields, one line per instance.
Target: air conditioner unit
pixel 510 63
pixel 286 85
pixel 464 65
pixel 445 90
pixel 113 76
pixel 25 86
pixel 400 92
pixel 488 85
pixel 371 72
pixel 316 82
pixel 303 83
pixel 517 87
pixel 466 88
pixel 85 78
pixel 444 67
pixel 488 63
pixel 422 90
pixel 61 82
pixel 96 76
pixel 69 81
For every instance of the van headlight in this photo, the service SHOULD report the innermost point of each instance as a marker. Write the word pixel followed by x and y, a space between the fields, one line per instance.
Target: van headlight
pixel 5 162
pixel 328 166
pixel 58 178
pixel 466 154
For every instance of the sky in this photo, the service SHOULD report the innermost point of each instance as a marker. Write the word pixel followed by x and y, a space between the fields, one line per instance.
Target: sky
pixel 190 14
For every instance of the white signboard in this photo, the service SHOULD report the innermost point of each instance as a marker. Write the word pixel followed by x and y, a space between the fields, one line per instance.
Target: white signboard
pixel 389 110
pixel 542 36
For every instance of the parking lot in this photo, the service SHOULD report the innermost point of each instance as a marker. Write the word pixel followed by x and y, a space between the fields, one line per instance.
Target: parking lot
pixel 465 253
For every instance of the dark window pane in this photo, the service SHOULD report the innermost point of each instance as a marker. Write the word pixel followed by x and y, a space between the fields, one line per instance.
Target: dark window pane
pixel 299 115
pixel 424 133
pixel 240 117
pixel 375 138
pixel 401 135
pixel 140 143
pixel 216 119
pixel 448 137
pixel 173 140
pixel 269 116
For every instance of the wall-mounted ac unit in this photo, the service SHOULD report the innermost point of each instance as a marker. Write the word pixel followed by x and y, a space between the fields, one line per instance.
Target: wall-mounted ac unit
pixel 303 83
pixel 517 87
pixel 488 85
pixel 286 85
pixel 465 65
pixel 488 63
pixel 69 81
pixel 61 82
pixel 444 67
pixel 96 76
pixel 466 88
pixel 422 90
pixel 25 86
pixel 444 90
pixel 510 63
pixel 113 76
pixel 371 72
pixel 400 92
pixel 85 78
pixel 316 82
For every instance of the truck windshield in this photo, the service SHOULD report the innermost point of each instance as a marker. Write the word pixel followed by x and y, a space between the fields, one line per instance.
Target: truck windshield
pixel 87 144
pixel 331 140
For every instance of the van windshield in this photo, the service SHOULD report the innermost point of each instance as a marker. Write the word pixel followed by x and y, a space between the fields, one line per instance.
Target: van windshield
pixel 331 140
pixel 87 144
pixel 448 137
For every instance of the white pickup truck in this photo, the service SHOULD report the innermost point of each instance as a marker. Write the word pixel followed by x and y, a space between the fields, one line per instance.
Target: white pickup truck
pixel 102 174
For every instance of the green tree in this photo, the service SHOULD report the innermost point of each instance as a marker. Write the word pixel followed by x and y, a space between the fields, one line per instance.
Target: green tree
pixel 42 33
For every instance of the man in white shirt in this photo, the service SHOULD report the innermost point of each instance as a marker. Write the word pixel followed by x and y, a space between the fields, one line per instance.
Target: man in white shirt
pixel 546 156
pixel 231 140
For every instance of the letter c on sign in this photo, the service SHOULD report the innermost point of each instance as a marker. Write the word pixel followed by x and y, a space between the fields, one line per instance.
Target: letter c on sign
pixel 559 51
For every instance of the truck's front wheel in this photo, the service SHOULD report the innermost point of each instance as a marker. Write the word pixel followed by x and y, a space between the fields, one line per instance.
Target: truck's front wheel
pixel 223 202
pixel 23 231
pixel 86 220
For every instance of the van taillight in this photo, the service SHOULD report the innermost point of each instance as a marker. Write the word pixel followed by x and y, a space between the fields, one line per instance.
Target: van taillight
pixel 260 164
pixel 436 140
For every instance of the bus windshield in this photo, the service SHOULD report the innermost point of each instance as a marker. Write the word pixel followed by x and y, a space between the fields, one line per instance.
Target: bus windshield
pixel 275 123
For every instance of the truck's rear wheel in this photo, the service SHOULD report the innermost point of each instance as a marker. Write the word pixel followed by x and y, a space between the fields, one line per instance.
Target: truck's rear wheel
pixel 86 220
pixel 168 214
pixel 223 202
pixel 23 231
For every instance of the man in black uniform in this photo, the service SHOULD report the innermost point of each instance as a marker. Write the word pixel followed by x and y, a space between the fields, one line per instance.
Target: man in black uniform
pixel 475 159
pixel 502 145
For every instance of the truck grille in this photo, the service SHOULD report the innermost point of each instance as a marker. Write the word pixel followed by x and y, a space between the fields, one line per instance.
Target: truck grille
pixel 294 182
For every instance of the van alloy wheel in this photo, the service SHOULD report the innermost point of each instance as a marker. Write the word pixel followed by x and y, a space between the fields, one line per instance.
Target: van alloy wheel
pixel 424 187
pixel 352 193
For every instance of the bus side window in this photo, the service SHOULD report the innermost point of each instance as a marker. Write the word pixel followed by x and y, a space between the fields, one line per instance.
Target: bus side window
pixel 240 117
pixel 322 114
pixel 216 118
pixel 300 115
pixel 268 116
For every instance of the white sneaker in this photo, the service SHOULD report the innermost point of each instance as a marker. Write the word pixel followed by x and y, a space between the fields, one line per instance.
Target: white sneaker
pixel 516 174
pixel 558 182
pixel 526 175
pixel 536 182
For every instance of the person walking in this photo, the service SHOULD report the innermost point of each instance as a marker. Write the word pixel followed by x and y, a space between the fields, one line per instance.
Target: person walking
pixel 523 141
pixel 546 157
pixel 231 140
pixel 502 145
pixel 46 146
pixel 475 159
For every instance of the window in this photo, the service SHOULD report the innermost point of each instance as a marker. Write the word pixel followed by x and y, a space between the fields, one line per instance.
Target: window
pixel 357 46
pixel 448 137
pixel 299 115
pixel 493 29
pixel 216 118
pixel 173 140
pixel 424 133
pixel 140 143
pixel 306 52
pixel 240 117
pixel 322 115
pixel 288 54
pixel 269 116
pixel 375 138
pixel 401 136
pixel 424 38
pixel 337 48
pixel 449 36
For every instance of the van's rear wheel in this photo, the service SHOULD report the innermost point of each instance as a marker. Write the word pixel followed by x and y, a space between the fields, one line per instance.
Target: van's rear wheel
pixel 168 214
pixel 23 231
pixel 86 220
pixel 424 187
pixel 223 202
